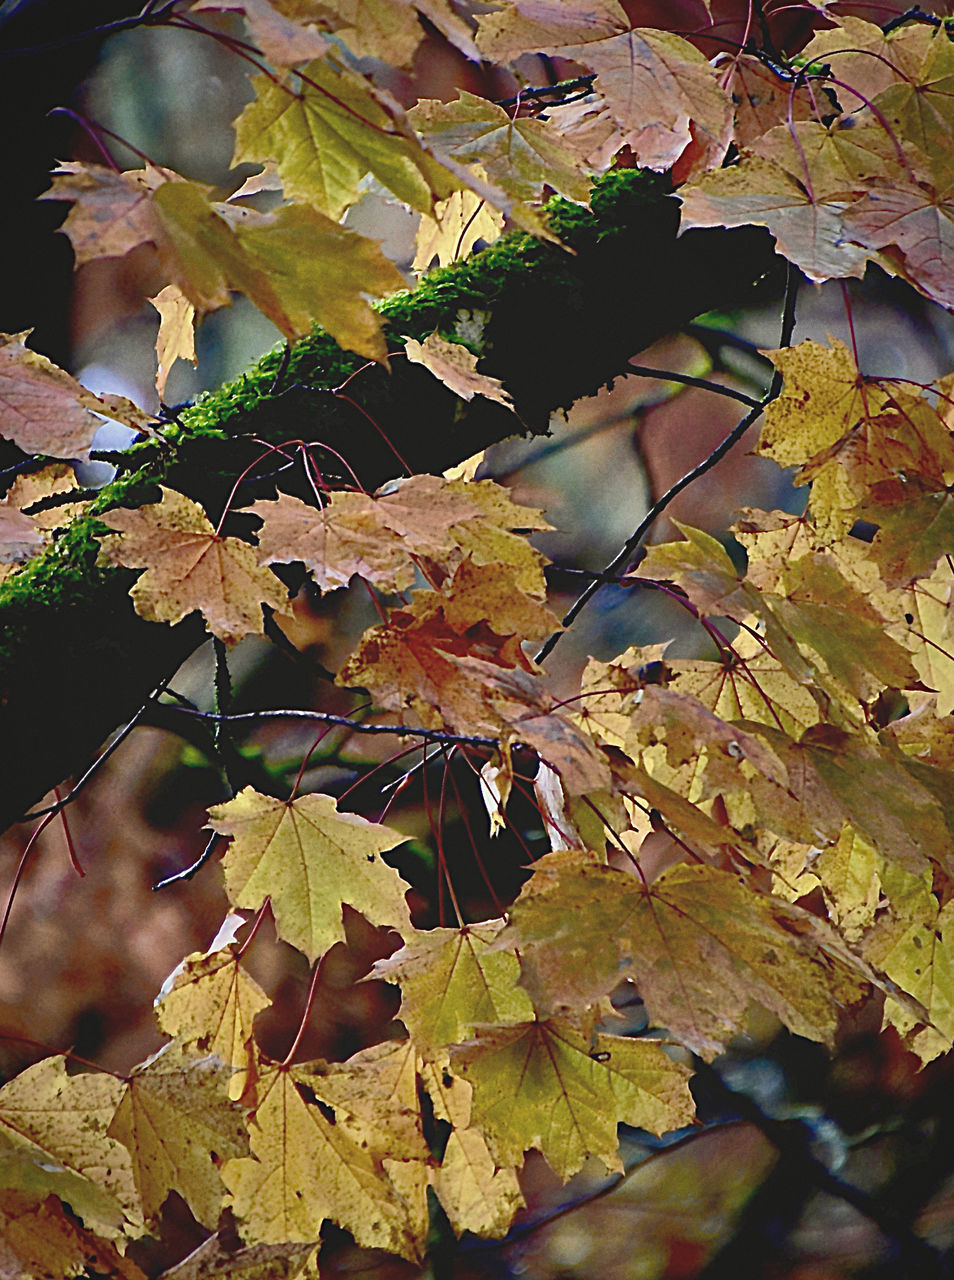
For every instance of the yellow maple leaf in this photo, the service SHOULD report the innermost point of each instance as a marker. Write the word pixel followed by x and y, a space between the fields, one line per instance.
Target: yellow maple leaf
pixel 309 859
pixel 521 155
pixel 455 228
pixel 61 1123
pixel 374 1096
pixel 211 1008
pixel 176 337
pixel 177 1122
pixel 456 367
pixel 329 134
pixel 191 567
pixel 822 398
pixel 305 1168
pixel 549 1086
pixel 476 1193
pixel 451 980
pixel 913 944
pixel 698 942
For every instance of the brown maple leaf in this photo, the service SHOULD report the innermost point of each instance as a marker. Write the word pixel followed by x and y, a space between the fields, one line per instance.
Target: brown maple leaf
pixel 190 566
pixel 46 411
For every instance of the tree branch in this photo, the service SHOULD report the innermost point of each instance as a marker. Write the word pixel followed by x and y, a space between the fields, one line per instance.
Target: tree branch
pixel 554 325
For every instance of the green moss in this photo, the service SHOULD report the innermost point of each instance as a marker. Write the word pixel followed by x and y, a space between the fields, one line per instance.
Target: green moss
pixel 64 577
pixel 286 394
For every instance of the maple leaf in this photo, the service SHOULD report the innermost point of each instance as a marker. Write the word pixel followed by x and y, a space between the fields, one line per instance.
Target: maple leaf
pixel 550 1086
pixel 849 875
pixel 762 99
pixel 458 223
pixel 524 26
pixel 328 134
pixel 700 945
pixel 863 57
pixel 702 567
pixel 305 1168
pixel 919 105
pixel 176 337
pixel 44 410
pixel 917 221
pixel 913 944
pixel 521 155
pixel 176 1120
pixel 309 859
pixel 211 1007
pixel 39 1239
pixel 374 1096
pixel 527 712
pixel 283 40
pixel 61 1123
pixel 660 91
pixel 112 211
pixel 381 538
pixel 456 367
pixel 759 192
pixel 823 397
pixel 190 567
pixel 390 30
pixel 925 613
pixel 409 660
pixel 475 1192
pixel 451 980
pixel 293 263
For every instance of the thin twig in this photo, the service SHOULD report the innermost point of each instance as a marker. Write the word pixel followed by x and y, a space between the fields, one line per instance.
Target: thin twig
pixel 666 375
pixel 100 760
pixel 622 558
pixel 326 717
pixel 148 16
pixel 558 90
pixel 188 872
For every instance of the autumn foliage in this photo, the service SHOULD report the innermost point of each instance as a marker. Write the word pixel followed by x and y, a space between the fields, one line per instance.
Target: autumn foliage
pixel 801 771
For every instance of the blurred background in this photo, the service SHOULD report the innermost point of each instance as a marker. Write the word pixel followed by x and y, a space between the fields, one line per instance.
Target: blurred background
pixel 83 958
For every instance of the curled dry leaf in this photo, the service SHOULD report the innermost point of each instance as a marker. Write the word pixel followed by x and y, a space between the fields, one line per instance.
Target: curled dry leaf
pixel 455 366
pixel 176 337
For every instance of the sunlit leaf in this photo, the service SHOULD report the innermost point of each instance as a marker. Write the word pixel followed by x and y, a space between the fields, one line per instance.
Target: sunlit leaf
pixel 308 858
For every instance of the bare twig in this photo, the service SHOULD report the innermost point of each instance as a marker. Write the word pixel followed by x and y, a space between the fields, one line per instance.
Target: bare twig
pixel 100 760
pixel 622 558
pixel 326 717
pixel 150 15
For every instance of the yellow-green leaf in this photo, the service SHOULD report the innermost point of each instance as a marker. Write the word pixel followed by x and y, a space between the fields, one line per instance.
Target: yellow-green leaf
pixel 309 859
pixel 548 1086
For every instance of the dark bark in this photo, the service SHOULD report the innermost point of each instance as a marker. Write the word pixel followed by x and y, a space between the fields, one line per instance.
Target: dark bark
pixel 75 661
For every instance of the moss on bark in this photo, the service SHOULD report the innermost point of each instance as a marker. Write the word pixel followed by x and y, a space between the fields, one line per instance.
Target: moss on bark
pixel 553 323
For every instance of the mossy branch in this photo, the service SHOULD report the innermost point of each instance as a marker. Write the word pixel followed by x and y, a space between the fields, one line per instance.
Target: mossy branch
pixel 552 323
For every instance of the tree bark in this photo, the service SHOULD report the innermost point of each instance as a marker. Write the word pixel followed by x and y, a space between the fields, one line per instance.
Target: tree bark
pixel 552 323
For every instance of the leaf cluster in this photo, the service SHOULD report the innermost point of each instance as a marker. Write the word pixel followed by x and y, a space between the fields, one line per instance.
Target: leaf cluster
pixel 801 775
